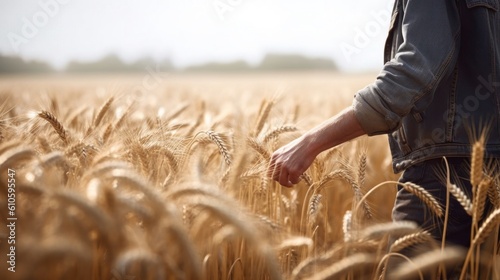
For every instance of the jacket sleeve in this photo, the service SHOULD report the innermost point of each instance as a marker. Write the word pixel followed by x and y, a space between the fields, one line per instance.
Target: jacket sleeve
pixel 430 32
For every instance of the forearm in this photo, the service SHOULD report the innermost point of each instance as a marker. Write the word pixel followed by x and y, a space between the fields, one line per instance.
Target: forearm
pixel 338 129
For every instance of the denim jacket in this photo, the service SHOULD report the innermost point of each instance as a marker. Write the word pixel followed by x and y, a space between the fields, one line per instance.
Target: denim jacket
pixel 440 84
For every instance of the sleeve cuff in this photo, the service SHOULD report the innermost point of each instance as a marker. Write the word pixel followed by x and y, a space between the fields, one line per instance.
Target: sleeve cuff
pixel 372 120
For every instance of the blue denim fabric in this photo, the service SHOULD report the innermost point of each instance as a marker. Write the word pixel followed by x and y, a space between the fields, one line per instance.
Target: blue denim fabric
pixel 441 77
pixel 408 207
pixel 430 176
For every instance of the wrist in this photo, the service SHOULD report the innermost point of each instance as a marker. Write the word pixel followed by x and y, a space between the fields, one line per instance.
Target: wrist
pixel 312 144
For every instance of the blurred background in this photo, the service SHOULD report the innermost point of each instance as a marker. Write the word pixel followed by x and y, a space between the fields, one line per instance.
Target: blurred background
pixel 79 36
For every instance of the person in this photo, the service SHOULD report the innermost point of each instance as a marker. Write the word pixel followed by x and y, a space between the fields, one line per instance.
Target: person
pixel 440 79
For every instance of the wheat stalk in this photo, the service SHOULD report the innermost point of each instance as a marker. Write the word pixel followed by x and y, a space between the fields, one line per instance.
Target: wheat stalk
pixel 103 222
pixel 228 216
pixel 54 158
pixel 8 145
pixel 306 265
pixel 346 265
pixel 44 145
pixel 358 193
pixel 177 112
pixel 75 149
pixel 198 121
pixel 145 214
pixel 129 201
pixel 53 254
pixel 31 189
pixel 192 259
pixel 133 181
pixel 429 261
pixel 8 159
pixel 128 261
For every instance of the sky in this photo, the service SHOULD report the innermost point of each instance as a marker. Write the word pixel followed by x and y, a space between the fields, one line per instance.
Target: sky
pixel 195 31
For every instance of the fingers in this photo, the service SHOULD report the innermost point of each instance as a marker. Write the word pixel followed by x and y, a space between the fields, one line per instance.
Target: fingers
pixel 280 172
pixel 283 178
pixel 294 180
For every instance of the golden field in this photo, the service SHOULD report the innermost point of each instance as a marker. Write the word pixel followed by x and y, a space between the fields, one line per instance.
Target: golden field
pixel 164 177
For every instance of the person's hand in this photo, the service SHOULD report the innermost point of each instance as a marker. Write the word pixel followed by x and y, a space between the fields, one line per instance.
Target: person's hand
pixel 289 162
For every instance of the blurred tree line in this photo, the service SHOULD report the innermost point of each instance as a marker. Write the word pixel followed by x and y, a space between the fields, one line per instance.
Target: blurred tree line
pixel 112 63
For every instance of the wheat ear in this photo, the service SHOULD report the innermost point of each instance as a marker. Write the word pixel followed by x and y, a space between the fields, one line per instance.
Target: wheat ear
pixel 263 115
pixel 223 148
pixel 277 131
pixel 362 170
pixel 123 117
pixel 314 208
pixel 425 196
pixel 347 177
pixel 477 158
pixel 103 110
pixel 347 226
pixel 410 240
pixel 297 241
pixel 58 127
pixel 391 228
pixel 461 198
pixel 480 199
pixel 488 226
pixel 259 148
pixel 107 133
pixel 307 179
pixel 493 194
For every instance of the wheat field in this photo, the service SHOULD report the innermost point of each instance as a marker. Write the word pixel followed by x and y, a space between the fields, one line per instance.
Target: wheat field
pixel 117 180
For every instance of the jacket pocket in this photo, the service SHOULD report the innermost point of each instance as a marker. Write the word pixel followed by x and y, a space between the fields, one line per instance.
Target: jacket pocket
pixel 491 4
